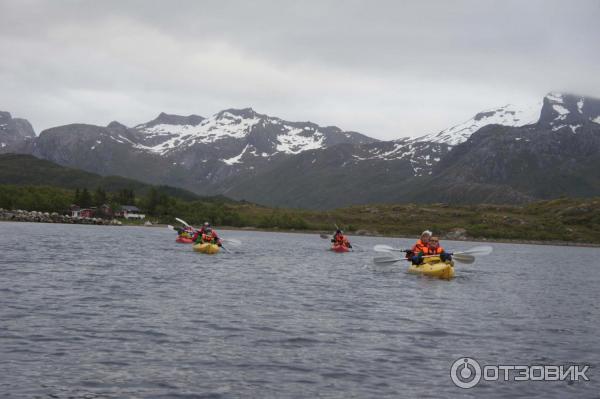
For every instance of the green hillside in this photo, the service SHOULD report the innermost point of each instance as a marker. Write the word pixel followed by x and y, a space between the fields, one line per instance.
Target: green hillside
pixel 26 170
pixel 31 184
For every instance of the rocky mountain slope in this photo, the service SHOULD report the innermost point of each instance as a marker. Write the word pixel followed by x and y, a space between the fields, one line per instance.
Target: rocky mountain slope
pixel 505 155
pixel 13 132
pixel 186 151
pixel 517 158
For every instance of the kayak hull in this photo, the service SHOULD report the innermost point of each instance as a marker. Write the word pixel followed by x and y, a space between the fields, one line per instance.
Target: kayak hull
pixel 434 267
pixel 206 248
pixel 183 240
pixel 340 248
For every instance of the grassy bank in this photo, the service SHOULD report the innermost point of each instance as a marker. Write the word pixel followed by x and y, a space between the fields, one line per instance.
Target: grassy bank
pixel 560 220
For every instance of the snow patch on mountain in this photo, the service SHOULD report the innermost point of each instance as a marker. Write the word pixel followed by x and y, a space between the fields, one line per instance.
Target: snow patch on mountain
pixel 218 127
pixel 296 140
pixel 561 111
pixel 508 115
pixel 237 158
pixel 279 136
pixel 555 97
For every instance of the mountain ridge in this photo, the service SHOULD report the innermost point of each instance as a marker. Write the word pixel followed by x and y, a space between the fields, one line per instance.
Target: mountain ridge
pixel 268 160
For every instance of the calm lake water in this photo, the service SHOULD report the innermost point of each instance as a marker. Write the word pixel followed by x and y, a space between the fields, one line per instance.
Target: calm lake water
pixel 91 311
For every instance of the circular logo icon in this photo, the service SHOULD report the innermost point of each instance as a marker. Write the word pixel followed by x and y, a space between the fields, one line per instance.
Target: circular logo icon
pixel 465 372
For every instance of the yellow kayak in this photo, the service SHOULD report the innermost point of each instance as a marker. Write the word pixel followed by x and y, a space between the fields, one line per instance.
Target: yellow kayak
pixel 207 248
pixel 434 267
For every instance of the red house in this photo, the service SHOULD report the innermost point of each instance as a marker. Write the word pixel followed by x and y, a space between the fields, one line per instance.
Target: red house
pixel 78 212
pixel 86 213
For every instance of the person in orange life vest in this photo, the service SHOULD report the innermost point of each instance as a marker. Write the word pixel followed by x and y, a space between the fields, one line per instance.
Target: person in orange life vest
pixel 434 248
pixel 420 248
pixel 340 239
pixel 209 236
pixel 199 233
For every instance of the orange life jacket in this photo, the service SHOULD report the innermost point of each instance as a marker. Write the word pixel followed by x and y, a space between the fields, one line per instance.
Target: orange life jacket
pixel 434 251
pixel 420 247
pixel 341 240
pixel 209 237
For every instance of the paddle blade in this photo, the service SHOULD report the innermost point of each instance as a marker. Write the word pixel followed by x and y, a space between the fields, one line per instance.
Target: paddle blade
pixel 387 248
pixel 463 258
pixel 171 227
pixel 382 248
pixel 183 222
pixel 477 251
pixel 324 236
pixel 385 260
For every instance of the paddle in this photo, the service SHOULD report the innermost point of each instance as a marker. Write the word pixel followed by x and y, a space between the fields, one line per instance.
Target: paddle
pixel 477 251
pixel 466 257
pixel 387 248
pixel 175 229
pixel 183 222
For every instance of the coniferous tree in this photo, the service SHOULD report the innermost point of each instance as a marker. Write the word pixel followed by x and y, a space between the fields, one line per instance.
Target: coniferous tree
pixel 85 199
pixel 100 197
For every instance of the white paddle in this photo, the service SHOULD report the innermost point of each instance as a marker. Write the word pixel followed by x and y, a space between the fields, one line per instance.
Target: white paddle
pixel 467 256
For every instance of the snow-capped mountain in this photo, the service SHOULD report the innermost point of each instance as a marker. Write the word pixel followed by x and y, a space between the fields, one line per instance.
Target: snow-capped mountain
pixel 508 115
pixel 197 152
pixel 556 110
pixel 247 155
pixel 569 111
pixel 256 135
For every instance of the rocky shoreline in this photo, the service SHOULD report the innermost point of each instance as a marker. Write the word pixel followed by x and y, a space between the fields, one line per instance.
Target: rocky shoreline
pixel 53 217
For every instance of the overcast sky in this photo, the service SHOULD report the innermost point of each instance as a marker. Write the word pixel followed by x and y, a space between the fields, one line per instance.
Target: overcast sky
pixel 385 68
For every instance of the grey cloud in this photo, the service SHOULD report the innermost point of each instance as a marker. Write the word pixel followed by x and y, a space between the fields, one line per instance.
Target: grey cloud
pixel 385 68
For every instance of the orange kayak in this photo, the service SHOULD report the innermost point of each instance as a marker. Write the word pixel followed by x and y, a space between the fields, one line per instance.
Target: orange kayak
pixel 340 248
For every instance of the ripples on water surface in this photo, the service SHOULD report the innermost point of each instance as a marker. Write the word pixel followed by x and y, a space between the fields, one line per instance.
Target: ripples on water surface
pixel 90 311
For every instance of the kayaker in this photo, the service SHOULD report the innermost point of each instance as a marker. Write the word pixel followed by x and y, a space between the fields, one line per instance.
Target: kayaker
pixel 209 236
pixel 420 248
pixel 340 239
pixel 434 248
pixel 199 233
pixel 183 232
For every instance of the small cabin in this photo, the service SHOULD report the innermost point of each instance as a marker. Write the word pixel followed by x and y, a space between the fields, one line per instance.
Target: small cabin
pixel 74 210
pixel 78 212
pixel 86 213
pixel 130 212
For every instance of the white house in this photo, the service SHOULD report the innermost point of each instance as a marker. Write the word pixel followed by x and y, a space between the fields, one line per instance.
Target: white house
pixel 130 212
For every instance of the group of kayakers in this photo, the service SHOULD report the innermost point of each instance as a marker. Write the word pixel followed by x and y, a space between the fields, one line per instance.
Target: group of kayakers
pixel 205 235
pixel 427 245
